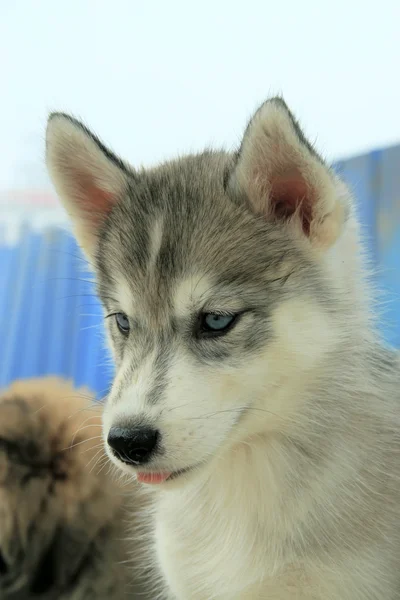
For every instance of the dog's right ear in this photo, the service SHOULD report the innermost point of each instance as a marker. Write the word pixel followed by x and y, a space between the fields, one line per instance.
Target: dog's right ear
pixel 87 176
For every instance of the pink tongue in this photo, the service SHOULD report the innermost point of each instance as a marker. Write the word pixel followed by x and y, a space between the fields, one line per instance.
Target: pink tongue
pixel 153 477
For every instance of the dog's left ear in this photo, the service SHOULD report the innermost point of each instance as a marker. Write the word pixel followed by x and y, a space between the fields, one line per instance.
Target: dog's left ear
pixel 284 178
pixel 87 176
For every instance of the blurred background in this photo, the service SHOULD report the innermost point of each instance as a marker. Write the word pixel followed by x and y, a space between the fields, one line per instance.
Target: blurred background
pixel 155 79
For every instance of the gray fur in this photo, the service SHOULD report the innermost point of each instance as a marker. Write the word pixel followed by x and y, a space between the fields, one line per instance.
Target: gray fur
pixel 206 230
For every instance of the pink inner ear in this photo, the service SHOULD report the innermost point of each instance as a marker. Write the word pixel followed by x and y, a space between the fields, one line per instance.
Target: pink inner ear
pixel 96 202
pixel 290 193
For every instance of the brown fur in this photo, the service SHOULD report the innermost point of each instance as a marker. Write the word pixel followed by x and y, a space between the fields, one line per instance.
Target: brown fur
pixel 62 528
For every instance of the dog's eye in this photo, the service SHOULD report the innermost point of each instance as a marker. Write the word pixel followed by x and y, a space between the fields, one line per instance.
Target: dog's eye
pixel 214 324
pixel 217 322
pixel 122 323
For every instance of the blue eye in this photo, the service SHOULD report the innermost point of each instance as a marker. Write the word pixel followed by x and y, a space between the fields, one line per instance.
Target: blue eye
pixel 213 324
pixel 217 322
pixel 122 323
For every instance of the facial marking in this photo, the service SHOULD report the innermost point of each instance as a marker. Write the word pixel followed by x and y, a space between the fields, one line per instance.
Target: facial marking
pixel 124 296
pixel 156 236
pixel 191 293
pixel 132 387
pixel 302 330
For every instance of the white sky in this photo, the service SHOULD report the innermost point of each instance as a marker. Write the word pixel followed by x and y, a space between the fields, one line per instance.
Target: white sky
pixel 154 79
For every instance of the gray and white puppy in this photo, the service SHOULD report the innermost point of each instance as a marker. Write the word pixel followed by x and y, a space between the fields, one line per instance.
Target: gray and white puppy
pixel 252 393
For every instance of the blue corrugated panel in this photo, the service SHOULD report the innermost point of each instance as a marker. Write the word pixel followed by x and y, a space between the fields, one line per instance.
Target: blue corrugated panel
pixel 360 173
pixel 51 320
pixel 388 241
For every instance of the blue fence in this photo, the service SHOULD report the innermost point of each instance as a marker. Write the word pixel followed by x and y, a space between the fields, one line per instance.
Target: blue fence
pixel 50 318
pixel 51 321
pixel 375 181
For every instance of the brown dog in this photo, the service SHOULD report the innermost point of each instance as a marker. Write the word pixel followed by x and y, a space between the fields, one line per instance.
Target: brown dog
pixel 62 526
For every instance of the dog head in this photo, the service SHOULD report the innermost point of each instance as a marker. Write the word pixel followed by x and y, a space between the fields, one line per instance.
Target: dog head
pixel 225 279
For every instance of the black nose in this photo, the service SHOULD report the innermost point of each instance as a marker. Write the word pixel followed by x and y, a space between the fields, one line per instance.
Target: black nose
pixel 133 445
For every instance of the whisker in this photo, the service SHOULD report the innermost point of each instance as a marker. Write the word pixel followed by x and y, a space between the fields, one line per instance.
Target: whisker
pixel 96 447
pixel 96 437
pixel 94 457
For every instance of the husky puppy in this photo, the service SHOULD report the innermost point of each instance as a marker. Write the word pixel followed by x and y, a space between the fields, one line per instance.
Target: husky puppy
pixel 63 531
pixel 252 392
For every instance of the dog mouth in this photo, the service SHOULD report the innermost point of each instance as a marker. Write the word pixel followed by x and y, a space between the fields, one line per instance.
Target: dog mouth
pixel 158 477
pixel 152 477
